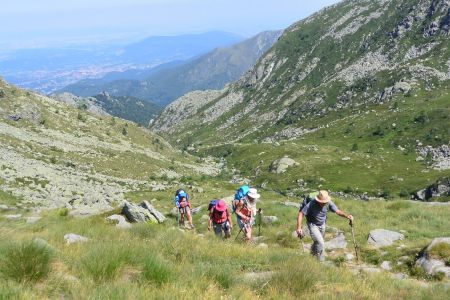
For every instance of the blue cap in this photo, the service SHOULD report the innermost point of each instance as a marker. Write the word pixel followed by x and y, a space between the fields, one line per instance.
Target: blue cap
pixel 182 194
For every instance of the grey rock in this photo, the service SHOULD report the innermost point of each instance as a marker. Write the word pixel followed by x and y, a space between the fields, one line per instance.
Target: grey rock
pixel 269 219
pixel 31 220
pixel 433 265
pixel 262 246
pixel 197 209
pixel 4 207
pixel 338 242
pixel 293 204
pixel 13 217
pixel 383 237
pixel 386 265
pixel 399 276
pixel 281 165
pixel 349 256
pixel 72 238
pixel 120 221
pixel 136 213
pixel 159 216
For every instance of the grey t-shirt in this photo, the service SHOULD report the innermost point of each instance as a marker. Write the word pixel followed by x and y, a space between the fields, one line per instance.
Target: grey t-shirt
pixel 316 214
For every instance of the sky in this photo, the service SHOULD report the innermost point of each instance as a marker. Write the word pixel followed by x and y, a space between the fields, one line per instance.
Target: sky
pixel 50 23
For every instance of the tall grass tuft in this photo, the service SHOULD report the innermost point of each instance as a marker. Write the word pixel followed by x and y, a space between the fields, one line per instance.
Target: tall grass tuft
pixel 156 270
pixel 26 262
pixel 104 261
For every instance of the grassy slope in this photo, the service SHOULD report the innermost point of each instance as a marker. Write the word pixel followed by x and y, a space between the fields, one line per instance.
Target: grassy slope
pixel 78 126
pixel 149 260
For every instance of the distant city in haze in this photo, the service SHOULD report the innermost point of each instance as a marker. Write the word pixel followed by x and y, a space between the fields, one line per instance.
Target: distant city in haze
pixel 49 23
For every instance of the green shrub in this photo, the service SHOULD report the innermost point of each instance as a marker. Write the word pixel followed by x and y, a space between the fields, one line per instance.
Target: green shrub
pixel 26 262
pixel 63 212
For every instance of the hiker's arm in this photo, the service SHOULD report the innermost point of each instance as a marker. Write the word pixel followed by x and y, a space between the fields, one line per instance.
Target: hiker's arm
pixel 229 219
pixel 344 215
pixel 210 221
pixel 239 207
pixel 299 222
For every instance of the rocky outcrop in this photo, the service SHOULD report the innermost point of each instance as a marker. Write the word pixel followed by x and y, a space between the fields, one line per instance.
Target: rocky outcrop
pixel 431 262
pixel 440 156
pixel 440 188
pixel 281 165
pixel 382 237
pixel 143 212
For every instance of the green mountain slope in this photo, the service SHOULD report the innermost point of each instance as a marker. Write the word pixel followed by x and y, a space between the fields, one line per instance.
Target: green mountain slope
pixel 128 108
pixel 372 76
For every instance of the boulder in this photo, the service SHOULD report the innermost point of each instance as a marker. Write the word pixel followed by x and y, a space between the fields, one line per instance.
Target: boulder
pixel 4 207
pixel 338 242
pixel 383 237
pixel 120 221
pixel 441 188
pixel 72 238
pixel 159 216
pixel 136 213
pixel 269 219
pixel 281 165
pixel 432 264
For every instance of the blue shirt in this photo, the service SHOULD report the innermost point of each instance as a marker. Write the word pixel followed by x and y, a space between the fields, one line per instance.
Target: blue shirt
pixel 316 214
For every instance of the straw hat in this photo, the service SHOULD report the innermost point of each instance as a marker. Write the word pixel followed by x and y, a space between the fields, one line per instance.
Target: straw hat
pixel 323 197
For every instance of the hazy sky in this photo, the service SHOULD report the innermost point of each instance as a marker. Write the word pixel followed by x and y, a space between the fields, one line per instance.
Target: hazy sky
pixel 32 23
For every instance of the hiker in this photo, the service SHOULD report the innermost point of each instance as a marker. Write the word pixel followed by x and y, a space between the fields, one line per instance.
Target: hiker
pixel 220 218
pixel 316 217
pixel 184 207
pixel 245 209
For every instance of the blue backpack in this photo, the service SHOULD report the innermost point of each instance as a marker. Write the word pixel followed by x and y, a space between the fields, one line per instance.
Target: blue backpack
pixel 240 193
pixel 178 195
pixel 212 204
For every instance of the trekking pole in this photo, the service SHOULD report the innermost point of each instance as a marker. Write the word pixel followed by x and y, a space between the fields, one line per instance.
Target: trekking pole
pixel 238 233
pixel 260 220
pixel 301 236
pixel 178 217
pixel 354 241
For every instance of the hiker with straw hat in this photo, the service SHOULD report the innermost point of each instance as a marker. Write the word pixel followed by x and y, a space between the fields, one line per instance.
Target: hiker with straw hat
pixel 246 211
pixel 316 217
pixel 220 219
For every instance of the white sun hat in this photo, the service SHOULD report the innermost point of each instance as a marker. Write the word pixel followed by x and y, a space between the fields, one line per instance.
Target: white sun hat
pixel 253 193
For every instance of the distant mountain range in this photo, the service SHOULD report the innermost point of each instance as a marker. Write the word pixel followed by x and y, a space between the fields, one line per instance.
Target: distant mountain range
pixel 167 82
pixel 47 70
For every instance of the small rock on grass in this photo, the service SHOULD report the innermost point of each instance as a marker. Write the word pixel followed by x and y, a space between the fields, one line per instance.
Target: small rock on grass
pixel 13 217
pixel 72 238
pixel 31 220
